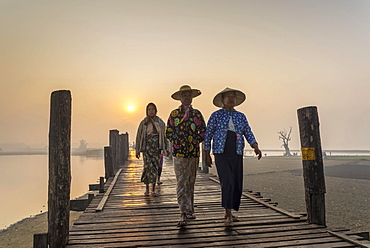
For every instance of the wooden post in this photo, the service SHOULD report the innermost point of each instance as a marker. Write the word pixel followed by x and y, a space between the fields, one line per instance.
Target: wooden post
pixel 113 143
pixel 90 197
pixel 108 163
pixel 126 148
pixel 59 168
pixel 121 153
pixel 40 240
pixel 123 148
pixel 101 185
pixel 313 169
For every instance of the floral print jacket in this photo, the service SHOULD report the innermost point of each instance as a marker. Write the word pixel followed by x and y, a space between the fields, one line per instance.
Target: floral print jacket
pixel 185 135
pixel 217 127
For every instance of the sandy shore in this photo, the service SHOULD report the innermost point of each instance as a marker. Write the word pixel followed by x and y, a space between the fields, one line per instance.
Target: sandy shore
pixel 20 234
pixel 278 178
pixel 347 182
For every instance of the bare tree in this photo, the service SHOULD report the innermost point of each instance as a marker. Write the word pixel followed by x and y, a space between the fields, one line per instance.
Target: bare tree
pixel 83 145
pixel 285 137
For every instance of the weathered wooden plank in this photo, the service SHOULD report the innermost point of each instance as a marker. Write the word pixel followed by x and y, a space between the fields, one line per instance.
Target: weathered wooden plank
pixel 128 227
pixel 211 237
pixel 349 239
pixel 168 213
pixel 184 245
pixel 171 224
pixel 250 233
pixel 322 245
pixel 172 209
pixel 242 230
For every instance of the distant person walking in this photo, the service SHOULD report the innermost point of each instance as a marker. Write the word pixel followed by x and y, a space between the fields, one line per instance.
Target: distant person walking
pixel 151 142
pixel 227 128
pixel 185 130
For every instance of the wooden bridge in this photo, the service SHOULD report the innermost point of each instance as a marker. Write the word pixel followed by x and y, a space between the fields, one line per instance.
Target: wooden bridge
pixel 124 217
pixel 121 216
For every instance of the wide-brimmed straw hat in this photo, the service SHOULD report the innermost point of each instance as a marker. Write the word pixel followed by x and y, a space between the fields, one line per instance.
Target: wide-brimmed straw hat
pixel 176 95
pixel 240 97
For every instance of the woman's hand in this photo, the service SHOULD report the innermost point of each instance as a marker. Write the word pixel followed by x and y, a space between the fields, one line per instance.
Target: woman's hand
pixel 257 151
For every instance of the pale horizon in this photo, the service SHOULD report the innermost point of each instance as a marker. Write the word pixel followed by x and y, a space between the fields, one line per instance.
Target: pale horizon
pixel 284 55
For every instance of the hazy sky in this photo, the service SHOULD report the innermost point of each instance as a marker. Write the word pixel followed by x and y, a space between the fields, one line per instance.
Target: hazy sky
pixel 283 54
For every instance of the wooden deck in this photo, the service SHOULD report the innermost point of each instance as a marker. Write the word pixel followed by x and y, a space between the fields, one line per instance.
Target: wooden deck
pixel 127 218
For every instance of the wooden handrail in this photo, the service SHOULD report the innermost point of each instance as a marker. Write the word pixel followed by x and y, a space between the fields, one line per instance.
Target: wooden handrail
pixel 106 195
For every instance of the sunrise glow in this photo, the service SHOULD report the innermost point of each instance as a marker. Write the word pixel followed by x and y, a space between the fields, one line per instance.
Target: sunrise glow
pixel 130 108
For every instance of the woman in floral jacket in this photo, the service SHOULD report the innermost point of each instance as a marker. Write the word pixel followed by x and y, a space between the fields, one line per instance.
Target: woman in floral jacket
pixel 185 130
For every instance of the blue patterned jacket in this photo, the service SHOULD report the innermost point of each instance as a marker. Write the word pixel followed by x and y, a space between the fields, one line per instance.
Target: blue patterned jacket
pixel 217 130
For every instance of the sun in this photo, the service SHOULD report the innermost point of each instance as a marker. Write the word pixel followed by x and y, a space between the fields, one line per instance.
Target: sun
pixel 130 108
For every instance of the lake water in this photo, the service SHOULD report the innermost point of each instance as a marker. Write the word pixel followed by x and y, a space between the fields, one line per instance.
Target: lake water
pixel 24 183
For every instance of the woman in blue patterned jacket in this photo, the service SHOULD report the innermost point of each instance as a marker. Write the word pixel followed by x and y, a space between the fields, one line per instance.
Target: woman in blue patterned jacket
pixel 227 128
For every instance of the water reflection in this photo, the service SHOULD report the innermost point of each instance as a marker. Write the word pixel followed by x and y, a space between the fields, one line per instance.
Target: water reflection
pixel 24 183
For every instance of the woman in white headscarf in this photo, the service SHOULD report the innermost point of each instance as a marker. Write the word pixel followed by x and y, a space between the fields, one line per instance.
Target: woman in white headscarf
pixel 151 142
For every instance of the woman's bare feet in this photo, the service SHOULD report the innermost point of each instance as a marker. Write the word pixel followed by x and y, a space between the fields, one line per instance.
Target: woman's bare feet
pixel 228 217
pixel 182 221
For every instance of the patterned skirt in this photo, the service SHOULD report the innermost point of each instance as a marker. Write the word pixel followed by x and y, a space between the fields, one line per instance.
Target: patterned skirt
pixel 151 159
